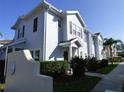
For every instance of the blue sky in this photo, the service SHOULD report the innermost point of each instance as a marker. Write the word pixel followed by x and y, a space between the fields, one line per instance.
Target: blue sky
pixel 105 16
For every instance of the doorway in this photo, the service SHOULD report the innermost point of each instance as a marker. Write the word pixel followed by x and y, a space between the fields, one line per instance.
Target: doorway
pixel 65 55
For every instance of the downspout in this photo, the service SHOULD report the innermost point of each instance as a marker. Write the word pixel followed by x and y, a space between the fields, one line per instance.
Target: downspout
pixel 44 36
pixel 6 61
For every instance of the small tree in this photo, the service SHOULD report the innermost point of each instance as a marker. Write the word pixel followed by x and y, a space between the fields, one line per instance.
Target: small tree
pixel 78 66
pixel 109 42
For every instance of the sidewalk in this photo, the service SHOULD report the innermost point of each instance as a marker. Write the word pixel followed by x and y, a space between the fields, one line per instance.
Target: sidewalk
pixel 112 81
pixel 94 74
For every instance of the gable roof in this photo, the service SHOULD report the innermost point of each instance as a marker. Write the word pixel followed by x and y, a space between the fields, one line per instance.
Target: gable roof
pixel 78 16
pixel 98 34
pixel 68 42
pixel 45 4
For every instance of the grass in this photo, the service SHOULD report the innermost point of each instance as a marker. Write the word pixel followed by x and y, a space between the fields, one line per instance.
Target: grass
pixel 2 86
pixel 108 69
pixel 83 84
pixel 123 88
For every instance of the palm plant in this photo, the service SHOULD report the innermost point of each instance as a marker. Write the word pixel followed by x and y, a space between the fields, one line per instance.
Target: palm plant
pixel 1 34
pixel 109 42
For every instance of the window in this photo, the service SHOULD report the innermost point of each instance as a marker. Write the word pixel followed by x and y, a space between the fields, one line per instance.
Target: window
pixel 81 34
pixel 75 30
pixel 78 31
pixel 23 31
pixel 59 24
pixel 10 50
pixel 18 49
pixel 37 55
pixel 35 24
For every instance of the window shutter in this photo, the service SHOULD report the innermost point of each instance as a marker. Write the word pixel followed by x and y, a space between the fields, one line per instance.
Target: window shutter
pixel 70 27
pixel 81 33
pixel 23 31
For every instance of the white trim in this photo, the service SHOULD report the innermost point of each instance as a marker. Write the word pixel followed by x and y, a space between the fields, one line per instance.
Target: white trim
pixel 44 39
pixel 35 49
pixel 17 42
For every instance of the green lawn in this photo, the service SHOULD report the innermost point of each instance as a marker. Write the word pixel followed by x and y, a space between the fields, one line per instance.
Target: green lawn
pixel 84 84
pixel 2 86
pixel 109 68
pixel 123 88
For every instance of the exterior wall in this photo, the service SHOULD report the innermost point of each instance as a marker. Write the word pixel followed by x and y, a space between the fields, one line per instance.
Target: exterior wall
pixel 48 36
pixel 100 47
pixel 92 47
pixel 23 74
pixel 53 37
pixel 75 20
pixel 34 40
pixel 89 44
pixel 96 47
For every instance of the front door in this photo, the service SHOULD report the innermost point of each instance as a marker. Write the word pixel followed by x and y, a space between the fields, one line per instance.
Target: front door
pixel 65 55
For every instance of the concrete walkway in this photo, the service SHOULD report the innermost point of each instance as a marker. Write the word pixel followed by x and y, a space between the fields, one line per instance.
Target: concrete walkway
pixel 94 74
pixel 112 81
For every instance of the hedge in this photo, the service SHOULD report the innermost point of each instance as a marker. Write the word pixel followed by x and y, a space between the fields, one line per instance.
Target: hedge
pixel 121 54
pixel 2 65
pixel 103 63
pixel 53 68
pixel 92 64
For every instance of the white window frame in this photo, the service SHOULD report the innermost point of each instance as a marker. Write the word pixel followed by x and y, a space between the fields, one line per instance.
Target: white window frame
pixel 34 56
pixel 76 30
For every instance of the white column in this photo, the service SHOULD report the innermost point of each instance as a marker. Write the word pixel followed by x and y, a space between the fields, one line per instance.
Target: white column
pixel 70 52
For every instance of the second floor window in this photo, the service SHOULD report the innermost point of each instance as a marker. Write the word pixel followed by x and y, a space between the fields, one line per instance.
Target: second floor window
pixel 75 30
pixel 59 23
pixel 35 24
pixel 21 32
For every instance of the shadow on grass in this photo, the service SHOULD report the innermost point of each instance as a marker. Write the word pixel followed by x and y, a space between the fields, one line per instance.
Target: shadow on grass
pixel 75 84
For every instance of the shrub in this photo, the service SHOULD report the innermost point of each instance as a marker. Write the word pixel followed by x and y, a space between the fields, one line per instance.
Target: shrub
pixel 78 66
pixel 53 68
pixel 121 54
pixel 103 63
pixel 92 64
pixel 2 65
